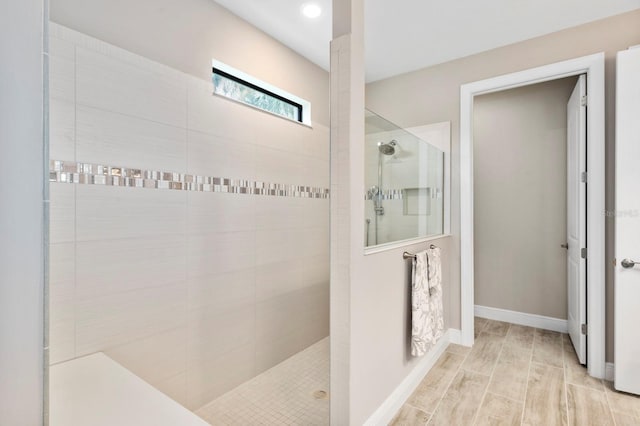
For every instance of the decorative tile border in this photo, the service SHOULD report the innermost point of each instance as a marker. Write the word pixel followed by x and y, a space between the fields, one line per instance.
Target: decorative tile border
pixel 97 174
pixel 387 194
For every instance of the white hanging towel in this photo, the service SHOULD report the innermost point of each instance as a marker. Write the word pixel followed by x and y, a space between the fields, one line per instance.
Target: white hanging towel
pixel 427 323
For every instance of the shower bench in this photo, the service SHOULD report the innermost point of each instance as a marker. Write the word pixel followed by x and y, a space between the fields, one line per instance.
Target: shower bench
pixel 97 391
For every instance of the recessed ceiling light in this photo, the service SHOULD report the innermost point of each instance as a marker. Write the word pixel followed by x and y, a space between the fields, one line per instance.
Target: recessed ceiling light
pixel 311 10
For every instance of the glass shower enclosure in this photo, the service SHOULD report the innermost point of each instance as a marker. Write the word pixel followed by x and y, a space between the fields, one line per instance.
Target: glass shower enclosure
pixel 404 183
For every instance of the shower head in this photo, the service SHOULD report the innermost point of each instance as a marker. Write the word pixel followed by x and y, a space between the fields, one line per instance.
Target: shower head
pixel 388 148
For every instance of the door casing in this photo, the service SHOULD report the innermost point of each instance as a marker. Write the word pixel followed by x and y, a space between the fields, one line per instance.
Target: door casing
pixel 593 67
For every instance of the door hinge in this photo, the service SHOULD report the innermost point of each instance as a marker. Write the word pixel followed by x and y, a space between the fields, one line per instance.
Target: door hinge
pixel 583 177
pixel 583 253
pixel 583 329
pixel 583 100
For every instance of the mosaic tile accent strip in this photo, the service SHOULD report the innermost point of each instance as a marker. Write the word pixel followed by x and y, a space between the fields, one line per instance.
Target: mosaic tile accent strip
pixel 98 174
pixel 387 194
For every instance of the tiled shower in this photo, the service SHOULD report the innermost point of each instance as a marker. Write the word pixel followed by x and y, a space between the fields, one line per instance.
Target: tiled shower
pixel 189 233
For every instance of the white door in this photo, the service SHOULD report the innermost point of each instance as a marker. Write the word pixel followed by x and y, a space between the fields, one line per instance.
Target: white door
pixel 577 217
pixel 627 277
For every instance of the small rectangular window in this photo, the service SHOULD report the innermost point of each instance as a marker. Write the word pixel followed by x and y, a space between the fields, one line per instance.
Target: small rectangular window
pixel 251 91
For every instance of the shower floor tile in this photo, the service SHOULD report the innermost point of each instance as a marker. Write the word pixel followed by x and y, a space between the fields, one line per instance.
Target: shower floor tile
pixel 288 394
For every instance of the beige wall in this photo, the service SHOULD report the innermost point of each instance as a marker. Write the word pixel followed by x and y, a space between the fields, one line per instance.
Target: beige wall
pixel 195 292
pixel 433 95
pixel 381 324
pixel 519 165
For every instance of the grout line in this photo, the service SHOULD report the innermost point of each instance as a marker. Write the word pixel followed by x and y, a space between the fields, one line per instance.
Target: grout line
pixel 564 377
pixel 611 411
pixel 187 279
pixel 486 323
pixel 526 391
pixel 584 387
pixel 75 203
pixel 486 389
pixel 435 410
pixel 546 365
pixel 226 137
pixel 417 408
pixel 505 397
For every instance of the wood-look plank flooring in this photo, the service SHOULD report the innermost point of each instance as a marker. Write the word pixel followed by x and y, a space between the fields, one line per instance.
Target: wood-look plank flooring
pixel 515 375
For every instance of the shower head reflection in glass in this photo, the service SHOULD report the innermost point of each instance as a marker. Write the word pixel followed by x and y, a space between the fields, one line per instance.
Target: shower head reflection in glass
pixel 402 173
pixel 375 193
pixel 384 148
pixel 388 148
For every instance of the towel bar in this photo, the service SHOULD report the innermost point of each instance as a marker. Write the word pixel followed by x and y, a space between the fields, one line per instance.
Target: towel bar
pixel 406 255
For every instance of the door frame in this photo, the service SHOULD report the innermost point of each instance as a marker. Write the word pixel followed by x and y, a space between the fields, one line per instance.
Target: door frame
pixel 593 67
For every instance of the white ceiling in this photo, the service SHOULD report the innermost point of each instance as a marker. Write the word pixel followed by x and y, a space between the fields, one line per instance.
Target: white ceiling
pixel 405 35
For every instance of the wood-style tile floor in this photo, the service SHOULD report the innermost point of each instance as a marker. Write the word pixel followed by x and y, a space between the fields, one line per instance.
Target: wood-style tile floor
pixel 515 375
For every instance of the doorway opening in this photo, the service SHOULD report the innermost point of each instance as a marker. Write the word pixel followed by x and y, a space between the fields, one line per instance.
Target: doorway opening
pixel 592 67
pixel 529 207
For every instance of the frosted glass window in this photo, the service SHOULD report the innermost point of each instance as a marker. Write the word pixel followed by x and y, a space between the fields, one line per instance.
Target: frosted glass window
pixel 235 88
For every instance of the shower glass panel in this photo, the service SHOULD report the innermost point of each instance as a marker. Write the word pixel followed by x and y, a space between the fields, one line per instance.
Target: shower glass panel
pixel 404 182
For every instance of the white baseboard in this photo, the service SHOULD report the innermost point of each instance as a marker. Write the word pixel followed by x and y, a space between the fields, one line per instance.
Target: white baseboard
pixel 390 407
pixel 521 318
pixel 455 336
pixel 609 371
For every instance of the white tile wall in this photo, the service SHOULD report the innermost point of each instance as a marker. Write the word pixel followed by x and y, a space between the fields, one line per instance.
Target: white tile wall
pixel 284 135
pixel 315 214
pixel 105 137
pixel 210 378
pixel 62 49
pixel 220 212
pixel 62 225
pixel 227 290
pixel 220 252
pixel 175 387
pixel 213 333
pixel 277 245
pixel 61 299
pixel 283 212
pixel 316 269
pixel 194 292
pixel 277 337
pixel 270 169
pixel 114 266
pixel 62 135
pixel 273 318
pixel 114 85
pixel 103 322
pixel 218 116
pixel 315 142
pixel 315 242
pixel 214 155
pixel 159 358
pixel 271 282
pixel 62 70
pixel 280 348
pixel 109 212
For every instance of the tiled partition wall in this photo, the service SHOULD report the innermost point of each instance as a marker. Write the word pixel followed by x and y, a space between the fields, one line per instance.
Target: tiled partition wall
pixel 190 282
